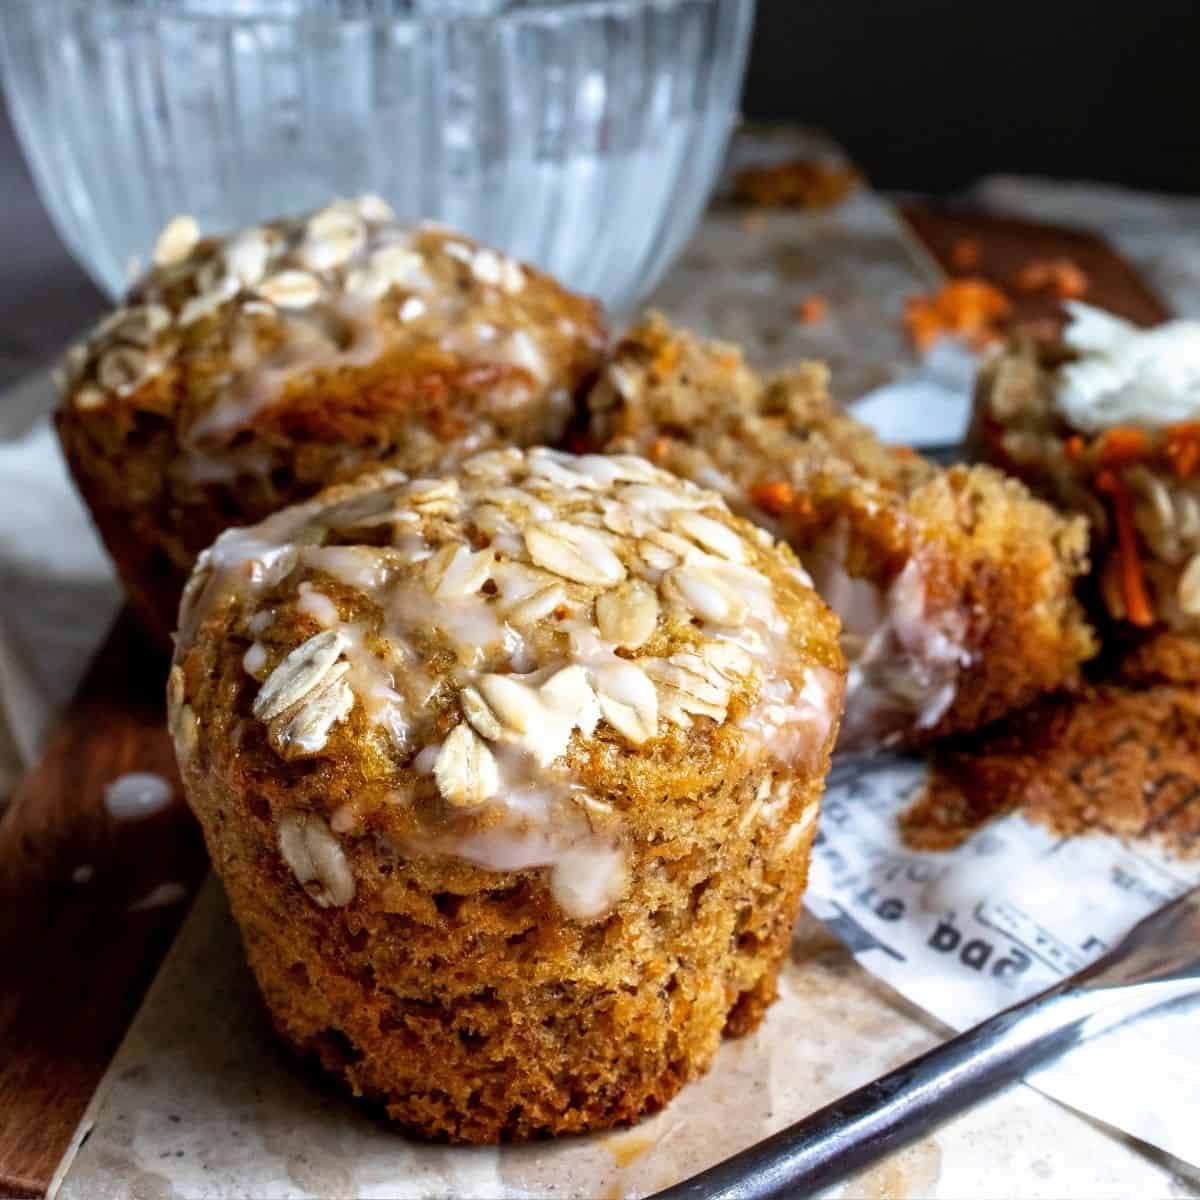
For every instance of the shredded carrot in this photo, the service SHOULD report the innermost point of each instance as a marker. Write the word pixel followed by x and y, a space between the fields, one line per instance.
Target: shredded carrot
pixel 905 452
pixel 813 310
pixel 1138 608
pixel 775 498
pixel 964 254
pixel 1183 448
pixel 1073 448
pixel 659 450
pixel 1071 282
pixel 1186 459
pixel 1123 446
pixel 1066 279
pixel 802 506
pixel 729 361
pixel 968 307
pixel 1033 276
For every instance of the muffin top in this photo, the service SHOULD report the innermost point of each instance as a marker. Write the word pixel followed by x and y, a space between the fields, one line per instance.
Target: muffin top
pixel 221 331
pixel 518 664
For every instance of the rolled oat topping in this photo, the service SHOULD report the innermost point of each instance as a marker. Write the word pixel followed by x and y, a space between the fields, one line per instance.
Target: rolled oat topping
pixel 294 295
pixel 486 629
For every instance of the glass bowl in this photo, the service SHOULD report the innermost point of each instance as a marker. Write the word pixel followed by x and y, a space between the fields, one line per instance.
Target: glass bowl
pixel 581 135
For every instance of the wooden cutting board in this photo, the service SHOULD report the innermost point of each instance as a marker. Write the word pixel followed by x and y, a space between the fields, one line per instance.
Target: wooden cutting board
pixel 80 946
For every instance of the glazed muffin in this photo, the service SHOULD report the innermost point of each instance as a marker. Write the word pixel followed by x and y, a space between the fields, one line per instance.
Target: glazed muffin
pixel 511 777
pixel 246 372
pixel 954 586
pixel 1107 423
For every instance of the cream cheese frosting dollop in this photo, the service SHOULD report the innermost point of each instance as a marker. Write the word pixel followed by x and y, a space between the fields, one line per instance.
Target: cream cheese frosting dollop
pixel 1126 375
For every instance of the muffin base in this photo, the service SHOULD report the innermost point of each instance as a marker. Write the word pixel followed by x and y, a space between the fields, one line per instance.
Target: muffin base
pixel 472 1010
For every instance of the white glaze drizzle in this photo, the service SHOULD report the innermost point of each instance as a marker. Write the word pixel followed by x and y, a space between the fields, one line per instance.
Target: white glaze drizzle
pixel 532 711
pixel 904 663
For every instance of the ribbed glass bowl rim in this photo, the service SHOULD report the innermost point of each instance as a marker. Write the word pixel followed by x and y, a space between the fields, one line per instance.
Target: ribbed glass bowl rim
pixel 560 12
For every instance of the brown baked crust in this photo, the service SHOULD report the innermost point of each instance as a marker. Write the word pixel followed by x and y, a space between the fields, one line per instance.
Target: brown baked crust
pixel 467 1008
pixel 167 456
pixel 467 1001
pixel 997 566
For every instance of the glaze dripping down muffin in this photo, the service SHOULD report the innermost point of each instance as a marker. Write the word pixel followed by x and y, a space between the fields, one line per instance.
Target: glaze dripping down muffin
pixel 244 373
pixel 955 586
pixel 511 776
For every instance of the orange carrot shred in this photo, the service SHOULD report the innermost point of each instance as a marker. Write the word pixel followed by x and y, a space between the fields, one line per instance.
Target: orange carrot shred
pixel 1122 446
pixel 968 307
pixel 1138 608
pixel 775 498
pixel 659 450
pixel 1070 282
pixel 802 506
pixel 666 358
pixel 1073 448
pixel 1183 448
pixel 1065 278
pixel 813 310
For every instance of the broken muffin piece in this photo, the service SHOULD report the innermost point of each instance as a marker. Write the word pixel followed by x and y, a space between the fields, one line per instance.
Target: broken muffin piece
pixel 1106 422
pixel 955 586
pixel 1120 757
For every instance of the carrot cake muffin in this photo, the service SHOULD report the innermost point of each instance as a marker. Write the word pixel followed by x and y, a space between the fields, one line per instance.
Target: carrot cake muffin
pixel 511 776
pixel 954 586
pixel 1107 423
pixel 245 372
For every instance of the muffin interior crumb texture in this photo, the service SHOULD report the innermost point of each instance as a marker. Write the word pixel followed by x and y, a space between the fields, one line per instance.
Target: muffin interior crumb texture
pixel 1119 757
pixel 511 776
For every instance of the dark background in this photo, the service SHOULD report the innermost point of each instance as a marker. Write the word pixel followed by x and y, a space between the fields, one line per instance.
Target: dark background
pixel 930 94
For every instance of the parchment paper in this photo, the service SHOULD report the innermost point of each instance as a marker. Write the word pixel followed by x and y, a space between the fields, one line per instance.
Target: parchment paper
pixel 967 932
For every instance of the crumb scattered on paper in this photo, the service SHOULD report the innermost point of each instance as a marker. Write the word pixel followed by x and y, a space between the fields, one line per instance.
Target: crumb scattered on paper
pixel 1122 757
pixel 972 930
pixel 812 310
pixel 970 308
pixel 1065 279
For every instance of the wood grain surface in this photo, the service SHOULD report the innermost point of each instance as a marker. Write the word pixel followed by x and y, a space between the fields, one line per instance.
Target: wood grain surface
pixel 1005 245
pixel 76 959
pixel 77 954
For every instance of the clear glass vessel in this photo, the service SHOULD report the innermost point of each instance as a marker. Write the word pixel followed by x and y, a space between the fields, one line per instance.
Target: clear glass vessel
pixel 581 135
